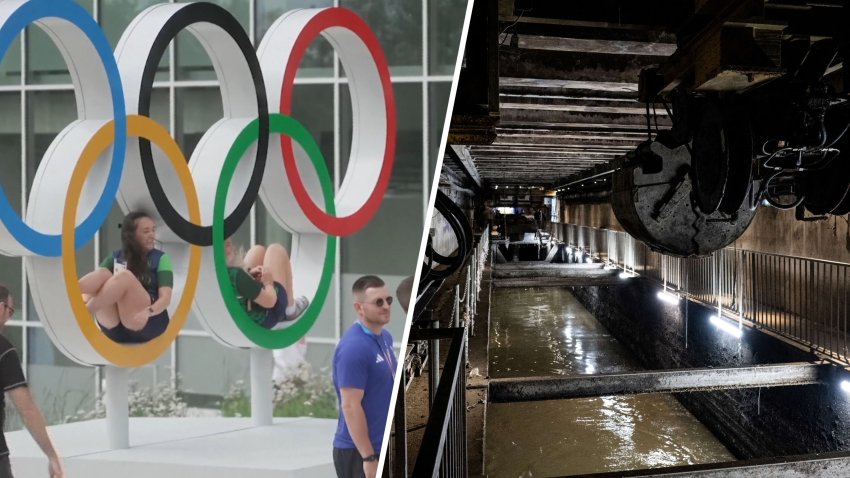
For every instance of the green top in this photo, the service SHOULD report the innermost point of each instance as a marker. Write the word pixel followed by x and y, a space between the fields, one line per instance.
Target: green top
pixel 247 289
pixel 164 273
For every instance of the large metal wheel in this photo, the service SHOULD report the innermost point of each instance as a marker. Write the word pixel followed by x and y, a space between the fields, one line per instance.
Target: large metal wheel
pixel 722 158
pixel 710 160
pixel 657 208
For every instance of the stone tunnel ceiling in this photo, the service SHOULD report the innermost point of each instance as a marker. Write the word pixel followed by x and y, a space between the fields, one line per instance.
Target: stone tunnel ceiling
pixel 568 95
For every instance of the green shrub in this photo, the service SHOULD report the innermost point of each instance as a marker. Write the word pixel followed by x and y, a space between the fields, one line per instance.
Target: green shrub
pixel 304 394
pixel 162 400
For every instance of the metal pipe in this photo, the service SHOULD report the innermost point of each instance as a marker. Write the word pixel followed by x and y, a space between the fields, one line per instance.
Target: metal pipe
pixel 467 296
pixel 433 365
pixel 456 309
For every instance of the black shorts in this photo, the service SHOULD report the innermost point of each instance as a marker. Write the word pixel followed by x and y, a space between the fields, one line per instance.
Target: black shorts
pixel 277 313
pixel 154 328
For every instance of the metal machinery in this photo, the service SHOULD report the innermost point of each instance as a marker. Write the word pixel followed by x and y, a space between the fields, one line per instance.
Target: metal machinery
pixel 759 112
pixel 750 95
pixel 436 268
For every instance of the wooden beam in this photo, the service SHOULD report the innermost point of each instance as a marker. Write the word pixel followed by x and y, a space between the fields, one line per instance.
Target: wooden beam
pixel 508 138
pixel 472 129
pixel 718 54
pixel 573 66
pixel 461 158
pixel 536 152
pixel 615 47
pixel 568 85
pixel 585 127
pixel 549 98
pixel 549 27
pixel 567 131
pixel 643 14
pixel 617 110
pixel 594 119
pixel 545 150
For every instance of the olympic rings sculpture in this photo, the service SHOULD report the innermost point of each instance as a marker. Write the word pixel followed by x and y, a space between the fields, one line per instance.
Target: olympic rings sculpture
pixel 114 144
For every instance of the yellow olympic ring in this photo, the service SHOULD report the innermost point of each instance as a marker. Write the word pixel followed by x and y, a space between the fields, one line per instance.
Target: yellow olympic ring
pixel 134 355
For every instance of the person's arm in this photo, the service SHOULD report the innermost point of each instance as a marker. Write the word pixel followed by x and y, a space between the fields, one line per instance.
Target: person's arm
pixel 162 302
pixel 34 422
pixel 262 293
pixel 156 308
pixel 165 278
pixel 355 420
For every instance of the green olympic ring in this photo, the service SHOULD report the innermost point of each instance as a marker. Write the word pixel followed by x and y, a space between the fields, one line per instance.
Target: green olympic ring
pixel 271 339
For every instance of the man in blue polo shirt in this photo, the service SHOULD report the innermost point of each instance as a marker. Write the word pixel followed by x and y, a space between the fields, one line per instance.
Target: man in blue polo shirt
pixel 364 367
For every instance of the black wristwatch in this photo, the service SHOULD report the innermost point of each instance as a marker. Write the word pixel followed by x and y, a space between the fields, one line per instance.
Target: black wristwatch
pixel 371 457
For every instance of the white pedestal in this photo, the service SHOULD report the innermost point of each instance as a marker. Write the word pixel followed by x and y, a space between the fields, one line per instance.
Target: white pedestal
pixel 117 407
pixel 261 386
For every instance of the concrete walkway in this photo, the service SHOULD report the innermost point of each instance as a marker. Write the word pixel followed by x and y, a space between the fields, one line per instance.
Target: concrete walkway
pixel 185 448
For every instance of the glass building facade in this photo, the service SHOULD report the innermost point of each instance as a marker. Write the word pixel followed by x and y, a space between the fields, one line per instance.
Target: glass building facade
pixel 420 39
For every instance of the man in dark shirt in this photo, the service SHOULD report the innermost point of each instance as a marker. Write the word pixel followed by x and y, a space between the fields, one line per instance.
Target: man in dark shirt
pixel 15 385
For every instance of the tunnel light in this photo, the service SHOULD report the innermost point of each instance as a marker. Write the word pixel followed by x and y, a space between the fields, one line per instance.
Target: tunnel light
pixel 845 385
pixel 668 297
pixel 625 275
pixel 726 326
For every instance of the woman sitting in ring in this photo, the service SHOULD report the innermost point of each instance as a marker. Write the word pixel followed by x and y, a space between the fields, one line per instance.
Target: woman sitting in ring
pixel 129 293
pixel 263 284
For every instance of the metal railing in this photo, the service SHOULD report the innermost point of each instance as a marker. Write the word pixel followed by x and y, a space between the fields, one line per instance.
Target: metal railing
pixel 472 287
pixel 442 452
pixel 443 449
pixel 805 300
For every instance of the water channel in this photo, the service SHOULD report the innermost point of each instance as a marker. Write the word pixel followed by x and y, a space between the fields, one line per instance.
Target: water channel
pixel 546 331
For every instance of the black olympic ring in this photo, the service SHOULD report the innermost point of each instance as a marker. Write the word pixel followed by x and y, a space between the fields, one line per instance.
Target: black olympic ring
pixel 216 15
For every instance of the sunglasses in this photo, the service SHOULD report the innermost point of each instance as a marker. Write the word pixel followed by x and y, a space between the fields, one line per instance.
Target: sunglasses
pixel 12 309
pixel 379 302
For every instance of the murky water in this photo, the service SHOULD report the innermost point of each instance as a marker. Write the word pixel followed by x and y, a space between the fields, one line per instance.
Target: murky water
pixel 545 331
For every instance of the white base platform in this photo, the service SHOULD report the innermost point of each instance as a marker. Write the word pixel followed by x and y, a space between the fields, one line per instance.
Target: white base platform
pixel 185 448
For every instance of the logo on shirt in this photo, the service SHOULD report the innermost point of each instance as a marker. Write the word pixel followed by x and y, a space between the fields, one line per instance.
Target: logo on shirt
pixel 378 358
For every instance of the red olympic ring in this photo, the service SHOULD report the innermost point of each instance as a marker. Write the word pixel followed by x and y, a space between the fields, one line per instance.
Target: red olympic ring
pixel 347 225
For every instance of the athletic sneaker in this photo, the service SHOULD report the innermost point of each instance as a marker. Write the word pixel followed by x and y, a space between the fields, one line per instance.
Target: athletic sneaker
pixel 301 304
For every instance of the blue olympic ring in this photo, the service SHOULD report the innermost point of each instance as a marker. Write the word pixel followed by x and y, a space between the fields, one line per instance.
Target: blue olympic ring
pixel 29 12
